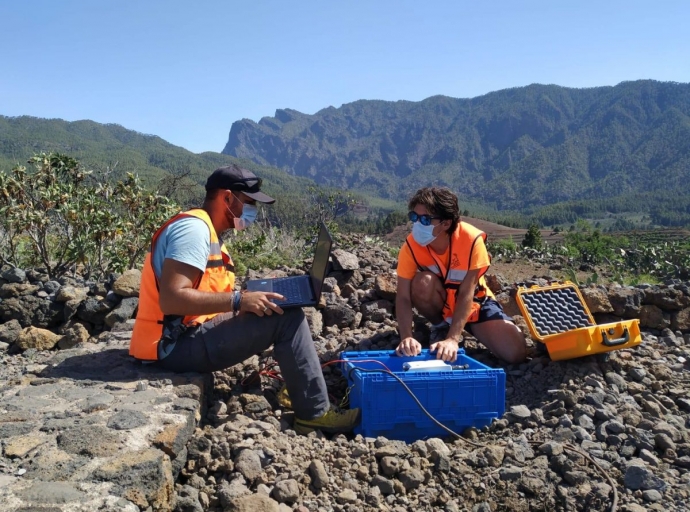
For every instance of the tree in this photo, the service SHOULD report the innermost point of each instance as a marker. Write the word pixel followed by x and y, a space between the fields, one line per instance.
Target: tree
pixel 50 215
pixel 532 237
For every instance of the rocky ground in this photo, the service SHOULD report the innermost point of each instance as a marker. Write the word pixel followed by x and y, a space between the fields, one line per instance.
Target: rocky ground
pixel 594 433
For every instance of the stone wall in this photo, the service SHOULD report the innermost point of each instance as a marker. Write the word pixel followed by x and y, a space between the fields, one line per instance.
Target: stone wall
pixel 38 313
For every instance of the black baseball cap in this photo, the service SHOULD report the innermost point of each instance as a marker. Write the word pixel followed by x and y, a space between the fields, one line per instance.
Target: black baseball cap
pixel 234 177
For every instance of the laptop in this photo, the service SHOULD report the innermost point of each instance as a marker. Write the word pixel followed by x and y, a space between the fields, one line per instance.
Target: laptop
pixel 300 291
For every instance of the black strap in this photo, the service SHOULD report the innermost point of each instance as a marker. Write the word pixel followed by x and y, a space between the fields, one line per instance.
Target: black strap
pixel 419 267
pixel 444 278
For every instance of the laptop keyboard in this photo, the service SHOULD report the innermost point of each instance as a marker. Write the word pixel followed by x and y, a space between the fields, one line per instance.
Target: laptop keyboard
pixel 292 289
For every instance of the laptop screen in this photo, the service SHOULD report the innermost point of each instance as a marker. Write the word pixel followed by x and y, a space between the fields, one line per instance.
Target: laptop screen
pixel 318 268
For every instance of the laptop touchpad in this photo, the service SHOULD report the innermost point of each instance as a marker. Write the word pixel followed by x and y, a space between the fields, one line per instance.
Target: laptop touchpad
pixel 260 285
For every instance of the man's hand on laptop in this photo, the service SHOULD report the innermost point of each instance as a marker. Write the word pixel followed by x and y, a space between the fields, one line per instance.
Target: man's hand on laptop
pixel 260 303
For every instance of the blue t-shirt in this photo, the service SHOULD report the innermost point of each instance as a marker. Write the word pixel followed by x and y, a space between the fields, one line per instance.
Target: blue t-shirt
pixel 186 240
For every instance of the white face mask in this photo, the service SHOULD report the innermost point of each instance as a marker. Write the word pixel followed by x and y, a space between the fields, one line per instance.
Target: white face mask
pixel 423 235
pixel 249 213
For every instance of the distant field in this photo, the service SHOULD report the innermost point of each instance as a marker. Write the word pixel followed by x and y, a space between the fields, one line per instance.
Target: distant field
pixel 493 231
pixel 497 232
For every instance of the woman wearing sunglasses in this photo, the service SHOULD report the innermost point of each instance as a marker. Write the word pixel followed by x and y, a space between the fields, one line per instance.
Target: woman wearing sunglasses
pixel 441 269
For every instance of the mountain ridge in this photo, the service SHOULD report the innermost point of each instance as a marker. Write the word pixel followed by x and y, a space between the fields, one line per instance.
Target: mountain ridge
pixel 113 150
pixel 533 145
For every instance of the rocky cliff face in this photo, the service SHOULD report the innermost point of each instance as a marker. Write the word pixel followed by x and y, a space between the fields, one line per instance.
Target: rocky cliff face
pixel 83 427
pixel 524 146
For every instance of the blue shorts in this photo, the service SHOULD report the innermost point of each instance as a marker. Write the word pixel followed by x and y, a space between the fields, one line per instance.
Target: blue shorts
pixel 490 310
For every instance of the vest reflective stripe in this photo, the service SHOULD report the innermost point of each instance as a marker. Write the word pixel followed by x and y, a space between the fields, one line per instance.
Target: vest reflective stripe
pixel 462 245
pixel 457 275
pixel 148 326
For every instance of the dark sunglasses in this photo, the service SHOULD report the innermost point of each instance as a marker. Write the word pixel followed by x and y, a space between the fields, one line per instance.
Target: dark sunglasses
pixel 424 220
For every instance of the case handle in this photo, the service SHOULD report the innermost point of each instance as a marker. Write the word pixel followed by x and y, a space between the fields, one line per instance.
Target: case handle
pixel 615 341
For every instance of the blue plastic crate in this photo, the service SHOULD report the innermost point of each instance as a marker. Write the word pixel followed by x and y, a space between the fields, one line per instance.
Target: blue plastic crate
pixel 459 398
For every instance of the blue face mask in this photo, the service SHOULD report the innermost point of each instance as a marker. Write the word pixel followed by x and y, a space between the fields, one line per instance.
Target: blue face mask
pixel 249 213
pixel 423 235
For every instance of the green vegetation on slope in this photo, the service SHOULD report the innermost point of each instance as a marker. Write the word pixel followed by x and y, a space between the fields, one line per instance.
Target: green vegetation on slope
pixel 113 151
pixel 521 149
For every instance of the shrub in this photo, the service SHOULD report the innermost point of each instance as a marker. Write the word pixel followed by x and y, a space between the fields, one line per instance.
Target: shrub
pixel 56 215
pixel 532 237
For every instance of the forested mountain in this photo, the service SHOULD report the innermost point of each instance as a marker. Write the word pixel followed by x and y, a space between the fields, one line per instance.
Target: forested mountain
pixel 520 148
pixel 114 150
pixel 550 153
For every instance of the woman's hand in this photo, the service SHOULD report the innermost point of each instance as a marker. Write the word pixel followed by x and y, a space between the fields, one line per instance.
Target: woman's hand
pixel 446 350
pixel 408 347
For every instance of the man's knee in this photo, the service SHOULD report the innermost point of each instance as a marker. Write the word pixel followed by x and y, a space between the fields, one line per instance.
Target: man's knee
pixel 294 314
pixel 292 320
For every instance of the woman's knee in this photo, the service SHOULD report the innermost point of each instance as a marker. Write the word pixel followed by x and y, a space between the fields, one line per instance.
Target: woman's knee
pixel 426 287
pixel 516 347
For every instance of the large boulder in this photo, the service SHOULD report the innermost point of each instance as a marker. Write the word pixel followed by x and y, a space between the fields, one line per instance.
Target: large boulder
pixel 32 310
pixel 377 311
pixel 71 293
pixel 386 286
pixel 9 331
pixel 681 320
pixel 73 334
pixel 626 302
pixel 14 275
pixel 666 298
pixel 343 260
pixel 127 285
pixel 40 339
pixel 10 290
pixel 123 312
pixel 339 315
pixel 653 317
pixel 93 310
pixel 597 299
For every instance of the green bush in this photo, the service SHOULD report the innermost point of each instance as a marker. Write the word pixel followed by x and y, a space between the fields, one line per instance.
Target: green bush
pixel 55 214
pixel 533 237
pixel 503 247
pixel 260 247
pixel 590 246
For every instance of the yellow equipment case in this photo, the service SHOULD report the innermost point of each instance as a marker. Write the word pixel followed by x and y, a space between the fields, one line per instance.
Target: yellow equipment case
pixel 558 317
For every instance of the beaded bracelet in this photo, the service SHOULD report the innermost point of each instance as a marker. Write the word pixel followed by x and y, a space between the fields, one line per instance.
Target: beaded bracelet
pixel 239 302
pixel 236 301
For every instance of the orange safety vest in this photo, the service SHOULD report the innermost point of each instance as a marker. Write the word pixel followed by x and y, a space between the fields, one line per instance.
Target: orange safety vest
pixel 218 277
pixel 462 244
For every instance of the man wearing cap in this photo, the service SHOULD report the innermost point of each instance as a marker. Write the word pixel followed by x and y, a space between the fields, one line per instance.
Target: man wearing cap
pixel 190 318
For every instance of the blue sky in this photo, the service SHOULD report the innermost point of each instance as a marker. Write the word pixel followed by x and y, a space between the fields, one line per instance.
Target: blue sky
pixel 187 70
